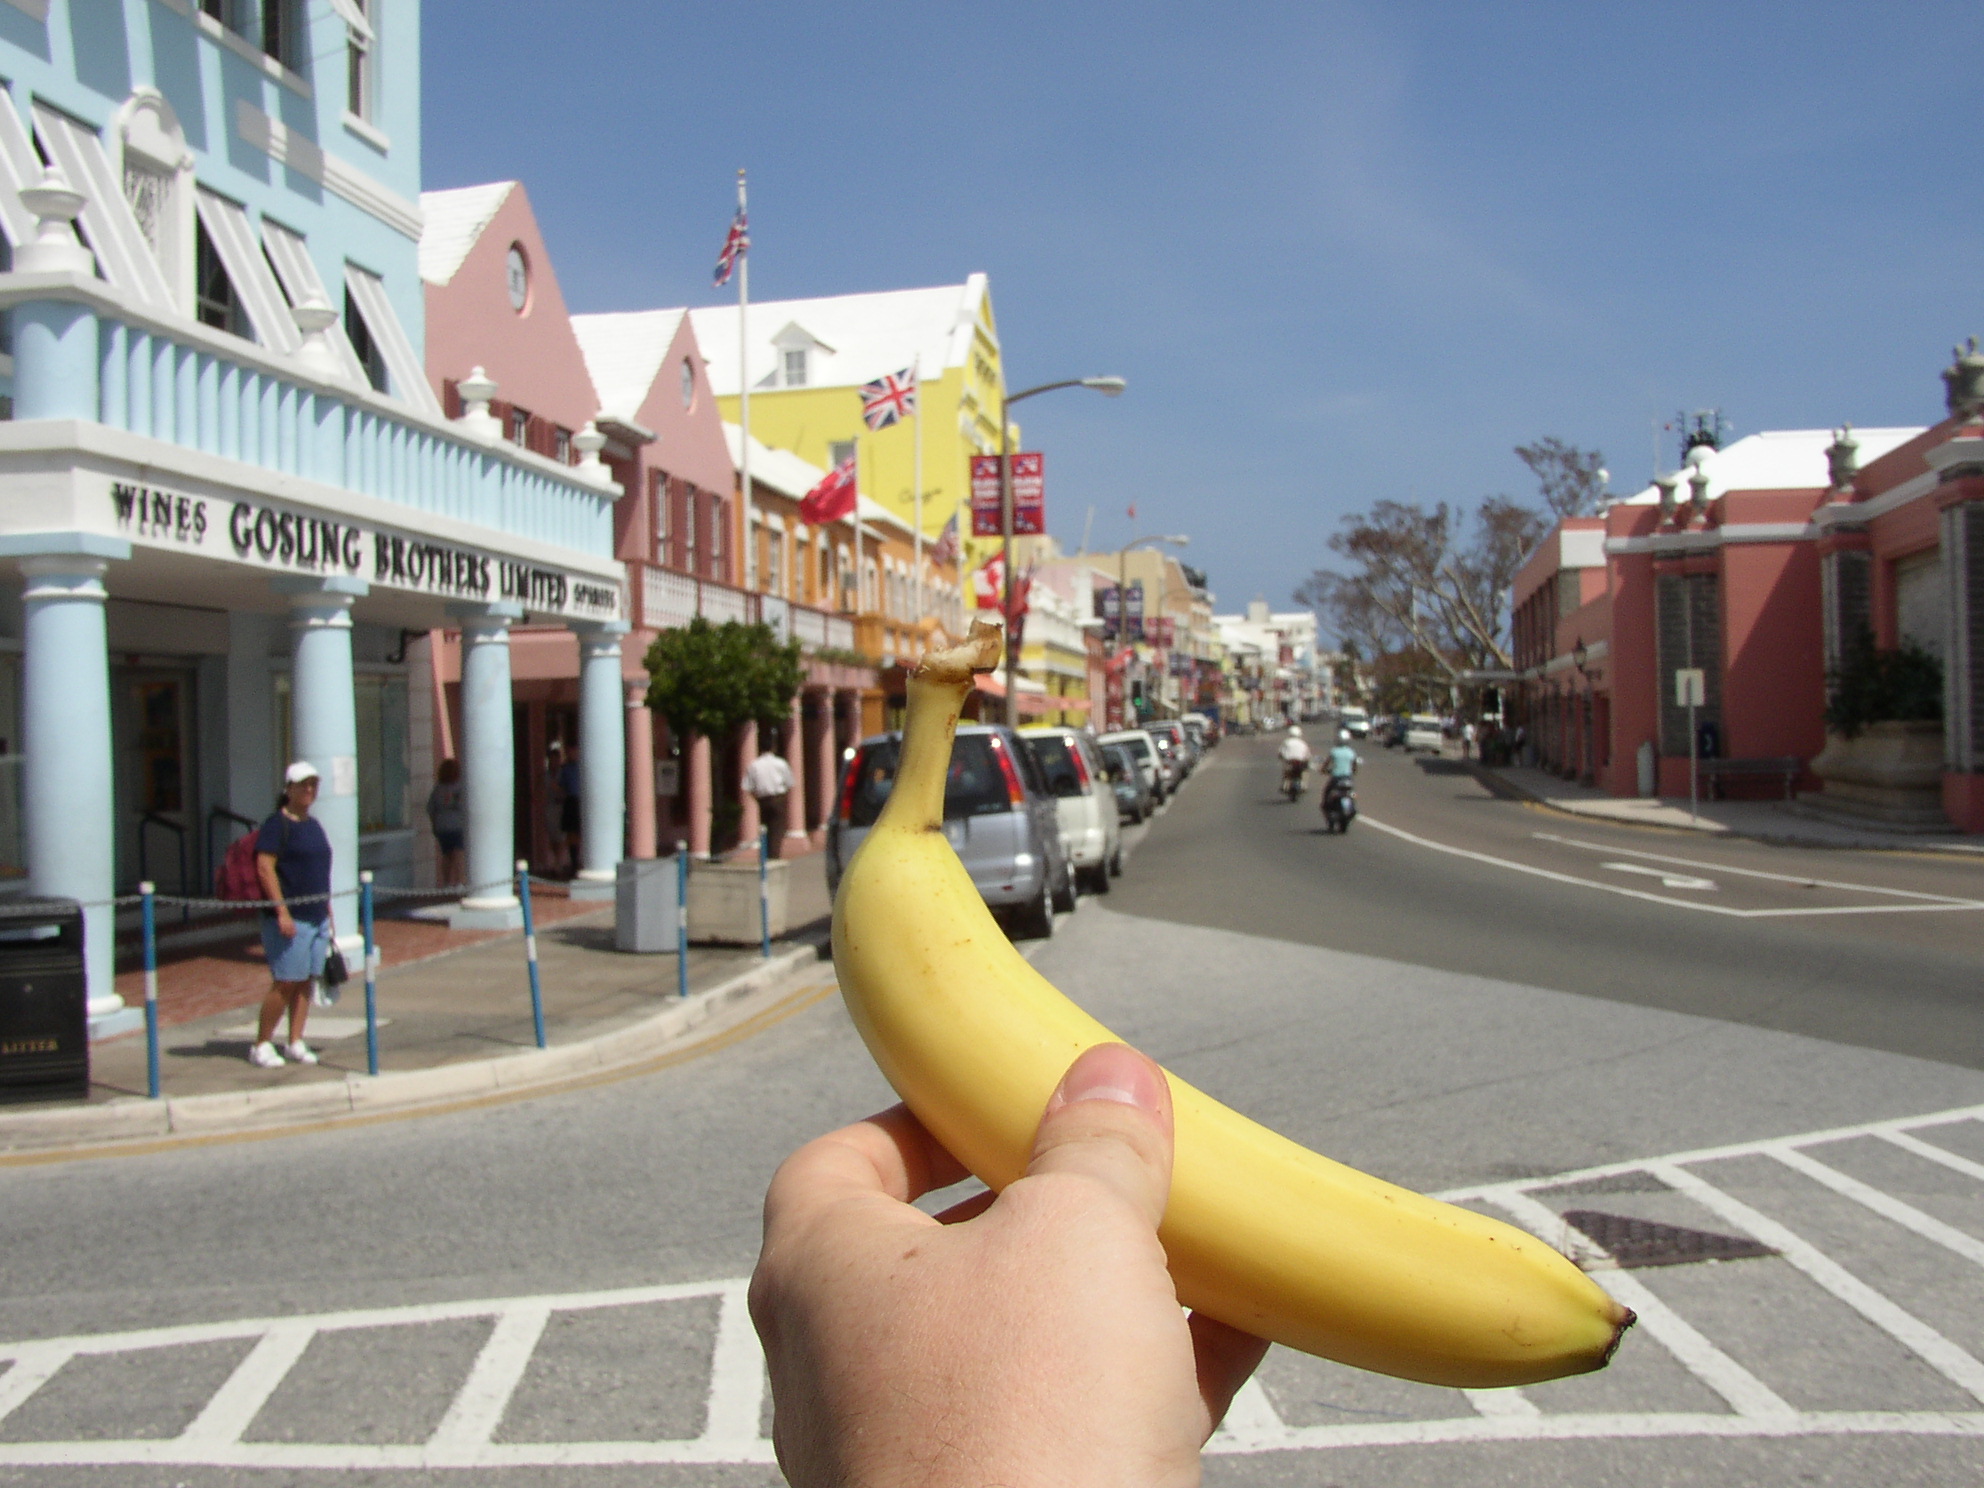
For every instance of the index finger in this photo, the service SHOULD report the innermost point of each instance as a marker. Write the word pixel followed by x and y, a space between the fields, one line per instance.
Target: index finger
pixel 890 1155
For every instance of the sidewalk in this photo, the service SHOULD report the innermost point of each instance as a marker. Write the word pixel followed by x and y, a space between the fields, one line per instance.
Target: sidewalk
pixel 1776 822
pixel 454 1021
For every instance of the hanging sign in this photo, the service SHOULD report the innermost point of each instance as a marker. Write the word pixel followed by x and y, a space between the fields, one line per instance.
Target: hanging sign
pixel 1029 496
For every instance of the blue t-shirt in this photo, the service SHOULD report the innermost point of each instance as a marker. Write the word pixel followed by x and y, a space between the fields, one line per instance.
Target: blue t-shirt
pixel 1343 760
pixel 303 863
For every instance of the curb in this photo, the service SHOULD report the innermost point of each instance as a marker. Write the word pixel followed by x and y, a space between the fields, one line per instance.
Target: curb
pixel 133 1118
pixel 1512 790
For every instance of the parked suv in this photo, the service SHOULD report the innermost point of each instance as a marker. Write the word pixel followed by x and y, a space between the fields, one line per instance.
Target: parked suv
pixel 1091 828
pixel 998 814
pixel 1170 736
pixel 1150 759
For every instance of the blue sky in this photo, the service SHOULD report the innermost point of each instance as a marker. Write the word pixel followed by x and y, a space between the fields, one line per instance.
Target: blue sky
pixel 1341 252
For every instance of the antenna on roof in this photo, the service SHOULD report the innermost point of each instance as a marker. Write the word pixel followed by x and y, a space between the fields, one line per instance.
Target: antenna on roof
pixel 1705 426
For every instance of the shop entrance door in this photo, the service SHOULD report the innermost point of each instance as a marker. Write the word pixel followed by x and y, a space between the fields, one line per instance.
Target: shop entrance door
pixel 158 828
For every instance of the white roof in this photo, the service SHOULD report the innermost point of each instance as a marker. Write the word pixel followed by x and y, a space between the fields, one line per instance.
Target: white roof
pixel 854 338
pixel 623 352
pixel 789 475
pixel 453 220
pixel 1777 460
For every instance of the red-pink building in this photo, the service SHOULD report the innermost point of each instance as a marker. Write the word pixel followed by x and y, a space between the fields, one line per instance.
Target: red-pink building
pixel 1756 565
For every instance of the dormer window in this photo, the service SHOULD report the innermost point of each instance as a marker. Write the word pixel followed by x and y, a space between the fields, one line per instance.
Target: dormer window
pixel 688 383
pixel 795 367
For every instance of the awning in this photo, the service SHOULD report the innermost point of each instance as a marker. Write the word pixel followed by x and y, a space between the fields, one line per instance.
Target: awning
pixel 353 15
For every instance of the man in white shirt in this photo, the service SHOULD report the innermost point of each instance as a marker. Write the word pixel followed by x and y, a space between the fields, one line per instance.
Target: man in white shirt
pixel 769 778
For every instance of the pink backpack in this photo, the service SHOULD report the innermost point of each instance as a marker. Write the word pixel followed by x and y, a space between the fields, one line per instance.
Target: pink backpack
pixel 236 877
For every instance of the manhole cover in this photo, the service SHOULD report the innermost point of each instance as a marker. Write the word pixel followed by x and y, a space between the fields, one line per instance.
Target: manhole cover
pixel 1643 1242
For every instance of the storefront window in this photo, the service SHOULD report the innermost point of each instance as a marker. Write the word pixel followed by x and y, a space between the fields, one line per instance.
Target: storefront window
pixel 379 707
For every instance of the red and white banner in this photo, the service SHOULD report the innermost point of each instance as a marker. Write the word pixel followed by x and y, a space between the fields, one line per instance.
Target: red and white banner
pixel 1029 495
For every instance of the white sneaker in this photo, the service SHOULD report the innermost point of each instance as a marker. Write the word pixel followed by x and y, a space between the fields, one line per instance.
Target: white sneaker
pixel 301 1053
pixel 264 1054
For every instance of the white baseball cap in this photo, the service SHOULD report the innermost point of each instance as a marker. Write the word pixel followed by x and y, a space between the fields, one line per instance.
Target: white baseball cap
pixel 300 771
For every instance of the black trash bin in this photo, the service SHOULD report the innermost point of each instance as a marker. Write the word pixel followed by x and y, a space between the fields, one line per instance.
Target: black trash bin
pixel 44 1006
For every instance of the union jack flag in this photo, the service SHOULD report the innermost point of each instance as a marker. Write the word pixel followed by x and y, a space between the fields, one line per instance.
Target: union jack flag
pixel 736 243
pixel 944 551
pixel 887 399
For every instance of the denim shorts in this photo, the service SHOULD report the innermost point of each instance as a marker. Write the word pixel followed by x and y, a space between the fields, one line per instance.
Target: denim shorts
pixel 300 957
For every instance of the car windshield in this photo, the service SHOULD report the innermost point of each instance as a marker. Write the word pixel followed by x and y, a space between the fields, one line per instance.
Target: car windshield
pixel 1137 747
pixel 1057 763
pixel 975 787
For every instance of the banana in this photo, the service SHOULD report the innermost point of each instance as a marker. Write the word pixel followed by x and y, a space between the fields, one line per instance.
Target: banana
pixel 1260 1233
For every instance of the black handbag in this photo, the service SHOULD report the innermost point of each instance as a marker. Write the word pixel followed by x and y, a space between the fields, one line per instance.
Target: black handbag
pixel 336 973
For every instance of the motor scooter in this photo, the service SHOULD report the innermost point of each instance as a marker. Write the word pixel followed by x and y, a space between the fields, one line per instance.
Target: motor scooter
pixel 1339 804
pixel 1294 778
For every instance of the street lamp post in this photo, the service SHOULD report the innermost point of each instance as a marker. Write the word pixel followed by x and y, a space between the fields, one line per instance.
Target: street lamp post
pixel 1109 387
pixel 1177 540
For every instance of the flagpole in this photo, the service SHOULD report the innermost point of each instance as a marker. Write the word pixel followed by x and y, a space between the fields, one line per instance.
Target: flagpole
pixel 744 393
pixel 916 378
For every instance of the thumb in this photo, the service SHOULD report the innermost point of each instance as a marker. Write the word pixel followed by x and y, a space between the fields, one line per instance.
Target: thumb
pixel 1110 1120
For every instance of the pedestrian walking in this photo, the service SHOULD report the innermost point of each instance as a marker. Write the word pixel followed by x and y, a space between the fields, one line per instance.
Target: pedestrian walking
pixel 554 806
pixel 1467 740
pixel 769 778
pixel 293 861
pixel 445 816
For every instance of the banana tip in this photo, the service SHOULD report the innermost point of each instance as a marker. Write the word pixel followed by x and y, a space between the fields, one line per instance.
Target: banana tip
pixel 977 652
pixel 1627 1317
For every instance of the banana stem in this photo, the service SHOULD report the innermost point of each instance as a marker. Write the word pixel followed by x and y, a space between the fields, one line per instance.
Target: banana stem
pixel 937 690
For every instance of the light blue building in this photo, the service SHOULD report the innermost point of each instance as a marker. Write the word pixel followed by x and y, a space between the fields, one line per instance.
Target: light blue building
pixel 228 496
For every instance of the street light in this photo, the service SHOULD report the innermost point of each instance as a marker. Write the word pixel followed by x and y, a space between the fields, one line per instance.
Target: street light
pixel 1109 387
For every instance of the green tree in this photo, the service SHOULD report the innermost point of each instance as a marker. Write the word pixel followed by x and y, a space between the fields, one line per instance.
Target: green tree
pixel 711 679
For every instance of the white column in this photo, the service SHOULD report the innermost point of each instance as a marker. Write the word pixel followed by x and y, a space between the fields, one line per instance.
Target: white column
pixel 323 727
pixel 66 794
pixel 797 840
pixel 602 758
pixel 489 769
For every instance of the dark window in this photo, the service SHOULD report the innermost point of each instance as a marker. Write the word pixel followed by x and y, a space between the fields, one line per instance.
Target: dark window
pixel 561 446
pixel 360 336
pixel 1050 752
pixel 1030 771
pixel 520 428
pixel 976 786
pixel 216 300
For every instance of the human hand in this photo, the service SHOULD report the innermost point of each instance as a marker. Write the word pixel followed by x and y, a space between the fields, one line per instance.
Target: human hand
pixel 285 923
pixel 1035 1338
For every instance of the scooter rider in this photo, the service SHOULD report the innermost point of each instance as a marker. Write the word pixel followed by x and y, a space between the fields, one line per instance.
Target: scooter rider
pixel 1343 760
pixel 1294 754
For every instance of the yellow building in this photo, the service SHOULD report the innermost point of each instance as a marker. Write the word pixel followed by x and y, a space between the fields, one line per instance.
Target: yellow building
pixel 809 358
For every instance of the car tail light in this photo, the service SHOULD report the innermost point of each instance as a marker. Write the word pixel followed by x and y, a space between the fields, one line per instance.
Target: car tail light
pixel 1015 792
pixel 1081 765
pixel 847 787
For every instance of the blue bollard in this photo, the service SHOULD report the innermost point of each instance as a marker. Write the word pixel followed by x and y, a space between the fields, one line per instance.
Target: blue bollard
pixel 530 951
pixel 371 974
pixel 149 918
pixel 764 893
pixel 681 919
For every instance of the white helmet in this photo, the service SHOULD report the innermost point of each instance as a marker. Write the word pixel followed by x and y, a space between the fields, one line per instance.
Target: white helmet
pixel 1343 736
pixel 1294 731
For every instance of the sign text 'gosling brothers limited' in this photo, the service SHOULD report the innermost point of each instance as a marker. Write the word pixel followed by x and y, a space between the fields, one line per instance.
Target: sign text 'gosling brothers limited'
pixel 280 538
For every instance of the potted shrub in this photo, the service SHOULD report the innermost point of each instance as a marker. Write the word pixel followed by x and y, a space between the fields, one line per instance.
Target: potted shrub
pixel 711 680
pixel 1883 758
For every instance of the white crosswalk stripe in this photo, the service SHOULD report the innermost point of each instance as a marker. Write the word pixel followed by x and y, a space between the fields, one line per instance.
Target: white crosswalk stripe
pixel 470 1432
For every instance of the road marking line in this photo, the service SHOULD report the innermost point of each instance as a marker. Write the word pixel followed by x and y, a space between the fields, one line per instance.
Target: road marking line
pixel 1651 898
pixel 1886 1205
pixel 1951 1362
pixel 1507 1404
pixel 33 1367
pixel 1252 1423
pixel 1933 1153
pixel 1802 880
pixel 235 1404
pixel 1747 1395
pixel 737 1373
pixel 1667 879
pixel 477 1409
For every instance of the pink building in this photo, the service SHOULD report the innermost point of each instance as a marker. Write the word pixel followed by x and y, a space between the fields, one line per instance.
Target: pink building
pixel 1757 565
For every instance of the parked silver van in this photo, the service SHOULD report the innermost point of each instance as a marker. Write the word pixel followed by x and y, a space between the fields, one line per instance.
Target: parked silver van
pixel 1149 759
pixel 1091 826
pixel 998 814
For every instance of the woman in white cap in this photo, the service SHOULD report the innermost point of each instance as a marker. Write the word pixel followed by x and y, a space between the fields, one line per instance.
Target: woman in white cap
pixel 293 860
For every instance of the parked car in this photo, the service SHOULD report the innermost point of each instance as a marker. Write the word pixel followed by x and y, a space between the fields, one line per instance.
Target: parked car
pixel 1195 734
pixel 1356 720
pixel 998 814
pixel 1133 796
pixel 1170 736
pixel 1149 758
pixel 1209 725
pixel 1091 826
pixel 1422 731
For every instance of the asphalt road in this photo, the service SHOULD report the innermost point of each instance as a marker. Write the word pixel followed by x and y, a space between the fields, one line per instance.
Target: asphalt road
pixel 545 1292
